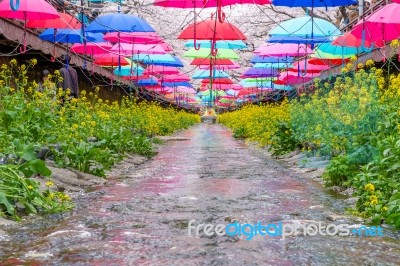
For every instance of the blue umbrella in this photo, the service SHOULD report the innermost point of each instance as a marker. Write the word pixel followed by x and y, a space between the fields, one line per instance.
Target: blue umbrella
pixel 127 71
pixel 313 3
pixel 158 60
pixel 177 84
pixel 305 27
pixel 282 87
pixel 237 44
pixel 119 22
pixel 273 65
pixel 204 74
pixel 294 39
pixel 267 59
pixel 260 73
pixel 63 36
pixel 147 82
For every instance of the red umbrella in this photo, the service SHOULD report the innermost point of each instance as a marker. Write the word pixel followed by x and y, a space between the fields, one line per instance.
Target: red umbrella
pixel 111 60
pixel 211 30
pixel 28 10
pixel 304 66
pixel 131 49
pixel 217 81
pixel 248 91
pixel 65 21
pixel 143 77
pixel 350 40
pixel 207 61
pixel 328 62
pixel 156 70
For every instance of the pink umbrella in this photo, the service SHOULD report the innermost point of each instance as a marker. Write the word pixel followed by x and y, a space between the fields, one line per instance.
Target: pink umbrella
pixel 65 21
pixel 133 37
pixel 175 78
pixel 91 48
pixel 166 46
pixel 292 78
pixel 380 27
pixel 304 66
pixel 218 86
pixel 28 10
pixel 283 49
pixel 131 49
pixel 156 70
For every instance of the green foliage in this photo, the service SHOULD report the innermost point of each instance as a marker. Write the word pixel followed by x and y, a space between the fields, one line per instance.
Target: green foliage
pixel 283 141
pixel 339 171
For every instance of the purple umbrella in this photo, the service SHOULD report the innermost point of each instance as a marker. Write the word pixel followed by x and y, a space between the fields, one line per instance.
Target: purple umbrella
pixel 260 73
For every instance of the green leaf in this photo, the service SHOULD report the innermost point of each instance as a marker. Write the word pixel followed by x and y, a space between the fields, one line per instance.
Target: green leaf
pixel 3 200
pixel 34 167
pixel 30 207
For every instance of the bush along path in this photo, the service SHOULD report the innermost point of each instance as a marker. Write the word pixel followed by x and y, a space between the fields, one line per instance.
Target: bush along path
pixel 354 120
pixel 86 135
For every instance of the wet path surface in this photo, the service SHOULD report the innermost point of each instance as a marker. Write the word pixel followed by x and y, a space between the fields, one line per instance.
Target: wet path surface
pixel 212 178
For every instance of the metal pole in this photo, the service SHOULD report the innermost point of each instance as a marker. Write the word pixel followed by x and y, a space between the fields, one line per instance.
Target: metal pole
pixel 360 8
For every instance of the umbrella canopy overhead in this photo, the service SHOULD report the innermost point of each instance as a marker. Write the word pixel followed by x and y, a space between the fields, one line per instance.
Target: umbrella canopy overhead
pixel 29 10
pixel 91 48
pixel 304 66
pixel 211 30
pixel 221 67
pixel 286 49
pixel 327 50
pixel 111 60
pixel 207 62
pixel 350 40
pixel 206 3
pixel 270 59
pixel 205 53
pixel 295 39
pixel 134 71
pixel 307 28
pixel 260 72
pixel 63 36
pixel 272 65
pixel 157 70
pixel 380 27
pixel 133 37
pixel 119 22
pixel 217 81
pixel 202 74
pixel 237 44
pixel 313 3
pixel 65 21
pixel 132 49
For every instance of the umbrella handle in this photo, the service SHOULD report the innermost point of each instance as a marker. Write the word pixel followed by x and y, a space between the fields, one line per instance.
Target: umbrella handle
pixel 22 49
pixel 14 6
pixel 53 57
pixel 221 14
pixel 363 48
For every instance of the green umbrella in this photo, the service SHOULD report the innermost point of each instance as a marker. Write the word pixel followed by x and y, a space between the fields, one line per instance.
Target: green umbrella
pixel 206 53
pixel 330 51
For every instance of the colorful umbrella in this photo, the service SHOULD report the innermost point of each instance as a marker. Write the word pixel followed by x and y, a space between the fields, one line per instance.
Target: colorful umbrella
pixel 132 49
pixel 211 30
pixel 221 67
pixel 219 44
pixel 260 72
pixel 305 27
pixel 217 81
pixel 175 78
pixel 65 21
pixel 268 59
pixel 380 27
pixel 111 60
pixel 157 70
pixel 272 65
pixel 91 48
pixel 207 62
pixel 205 53
pixel 157 59
pixel 63 36
pixel 206 3
pixel 118 22
pixel 133 37
pixel 313 3
pixel 294 39
pixel 202 74
pixel 177 84
pixel 327 50
pixel 286 49
pixel 293 78
pixel 28 10
pixel 304 66
pixel 350 40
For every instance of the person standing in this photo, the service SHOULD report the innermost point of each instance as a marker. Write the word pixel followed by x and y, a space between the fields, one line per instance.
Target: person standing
pixel 70 77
